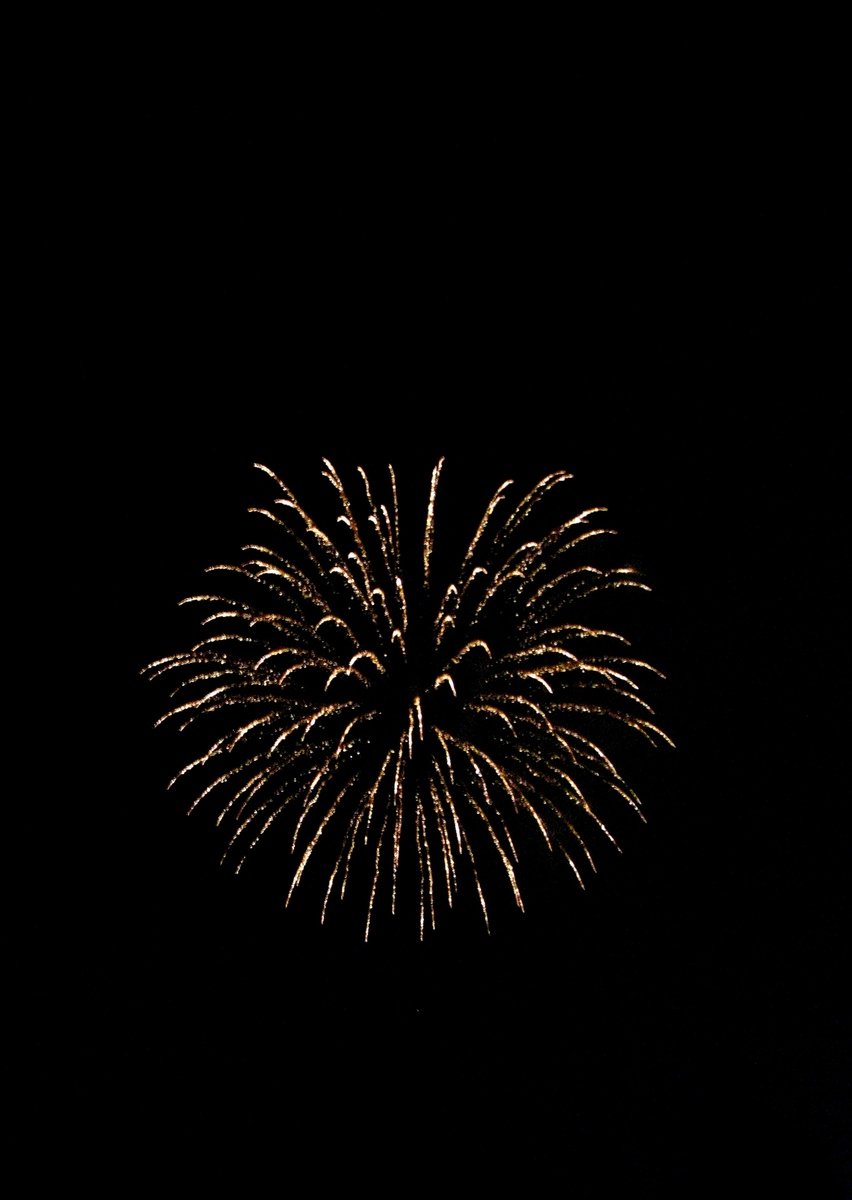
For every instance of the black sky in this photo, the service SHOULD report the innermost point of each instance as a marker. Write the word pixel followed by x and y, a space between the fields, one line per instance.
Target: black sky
pixel 648 288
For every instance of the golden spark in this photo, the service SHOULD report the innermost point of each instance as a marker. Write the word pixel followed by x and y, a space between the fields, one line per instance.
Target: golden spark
pixel 400 730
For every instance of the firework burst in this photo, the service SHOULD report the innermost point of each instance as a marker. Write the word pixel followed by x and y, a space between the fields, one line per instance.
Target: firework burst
pixel 407 734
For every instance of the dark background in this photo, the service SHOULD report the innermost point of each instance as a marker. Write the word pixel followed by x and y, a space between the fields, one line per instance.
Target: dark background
pixel 646 285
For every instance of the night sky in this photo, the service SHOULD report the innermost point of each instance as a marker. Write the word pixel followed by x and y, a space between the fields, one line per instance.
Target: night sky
pixel 648 288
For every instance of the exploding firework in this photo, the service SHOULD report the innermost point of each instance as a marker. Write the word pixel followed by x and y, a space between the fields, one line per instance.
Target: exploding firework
pixel 406 735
